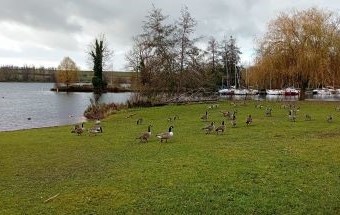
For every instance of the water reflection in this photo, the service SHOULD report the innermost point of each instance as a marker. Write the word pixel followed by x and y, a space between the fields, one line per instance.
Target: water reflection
pixel 96 97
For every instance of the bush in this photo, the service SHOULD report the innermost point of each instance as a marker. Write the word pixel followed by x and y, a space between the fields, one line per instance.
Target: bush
pixel 100 111
pixel 136 100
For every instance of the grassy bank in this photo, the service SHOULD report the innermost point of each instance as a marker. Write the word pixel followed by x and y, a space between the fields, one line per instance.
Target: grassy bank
pixel 273 166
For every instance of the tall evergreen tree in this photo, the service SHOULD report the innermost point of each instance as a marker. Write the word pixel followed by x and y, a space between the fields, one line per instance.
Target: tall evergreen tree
pixel 99 54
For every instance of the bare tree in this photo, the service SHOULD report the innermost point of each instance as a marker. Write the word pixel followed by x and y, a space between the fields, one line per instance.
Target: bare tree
pixel 185 28
pixel 213 53
pixel 67 72
pixel 167 60
pixel 154 52
pixel 230 55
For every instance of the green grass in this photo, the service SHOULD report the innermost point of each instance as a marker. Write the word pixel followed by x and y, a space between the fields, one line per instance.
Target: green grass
pixel 273 166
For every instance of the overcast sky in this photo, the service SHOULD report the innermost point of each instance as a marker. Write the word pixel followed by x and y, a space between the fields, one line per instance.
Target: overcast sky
pixel 43 32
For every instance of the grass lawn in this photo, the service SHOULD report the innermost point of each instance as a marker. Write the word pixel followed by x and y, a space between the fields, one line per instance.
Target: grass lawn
pixel 273 166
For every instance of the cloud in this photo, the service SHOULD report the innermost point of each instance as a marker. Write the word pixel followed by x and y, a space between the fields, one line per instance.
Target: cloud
pixel 50 30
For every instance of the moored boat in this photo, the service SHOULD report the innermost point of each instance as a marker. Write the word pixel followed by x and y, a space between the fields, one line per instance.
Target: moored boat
pixel 226 91
pixel 241 92
pixel 275 92
pixel 324 91
pixel 233 91
pixel 290 91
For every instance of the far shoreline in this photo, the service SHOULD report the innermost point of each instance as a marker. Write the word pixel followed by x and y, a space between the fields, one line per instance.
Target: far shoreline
pixel 89 89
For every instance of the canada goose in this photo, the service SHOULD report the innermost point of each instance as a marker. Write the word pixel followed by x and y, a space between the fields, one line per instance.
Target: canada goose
pixel 283 106
pixel 290 112
pixel 78 128
pixel 139 121
pixel 291 115
pixel 166 135
pixel 249 120
pixel 97 122
pixel 292 118
pixel 131 115
pixel 233 116
pixel 233 122
pixel 226 113
pixel 144 137
pixel 170 119
pixel 220 128
pixel 330 118
pixel 212 106
pixel 209 128
pixel 95 130
pixel 308 117
pixel 205 117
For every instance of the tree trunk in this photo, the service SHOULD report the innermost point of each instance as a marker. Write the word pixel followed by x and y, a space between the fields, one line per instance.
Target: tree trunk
pixel 302 93
pixel 304 84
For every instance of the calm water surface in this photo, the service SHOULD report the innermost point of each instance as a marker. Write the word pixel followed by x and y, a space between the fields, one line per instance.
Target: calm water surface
pixel 33 105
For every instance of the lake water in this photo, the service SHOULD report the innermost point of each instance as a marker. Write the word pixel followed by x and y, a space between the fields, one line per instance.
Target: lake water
pixel 309 97
pixel 33 105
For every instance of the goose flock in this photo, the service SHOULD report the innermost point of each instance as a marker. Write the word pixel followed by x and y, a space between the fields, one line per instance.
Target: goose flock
pixel 144 137
pixel 209 116
pixel 79 129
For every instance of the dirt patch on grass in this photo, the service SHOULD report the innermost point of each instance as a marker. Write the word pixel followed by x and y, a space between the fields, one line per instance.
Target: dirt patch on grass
pixel 329 134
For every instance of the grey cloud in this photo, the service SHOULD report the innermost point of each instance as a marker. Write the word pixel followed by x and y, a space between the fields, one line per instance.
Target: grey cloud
pixel 51 15
pixel 58 24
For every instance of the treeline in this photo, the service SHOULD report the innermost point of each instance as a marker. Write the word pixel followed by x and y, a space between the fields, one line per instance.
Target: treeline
pixel 169 58
pixel 26 74
pixel 301 49
pixel 42 74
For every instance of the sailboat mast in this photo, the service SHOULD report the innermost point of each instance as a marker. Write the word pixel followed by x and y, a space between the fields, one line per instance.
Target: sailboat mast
pixel 235 76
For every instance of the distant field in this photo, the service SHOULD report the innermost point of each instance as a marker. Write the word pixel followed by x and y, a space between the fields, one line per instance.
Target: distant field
pixel 273 166
pixel 117 76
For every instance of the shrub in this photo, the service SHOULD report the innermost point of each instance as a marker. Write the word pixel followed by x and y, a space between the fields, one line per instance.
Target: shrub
pixel 101 110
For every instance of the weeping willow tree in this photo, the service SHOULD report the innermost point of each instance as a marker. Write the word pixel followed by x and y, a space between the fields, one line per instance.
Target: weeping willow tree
pixel 300 48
